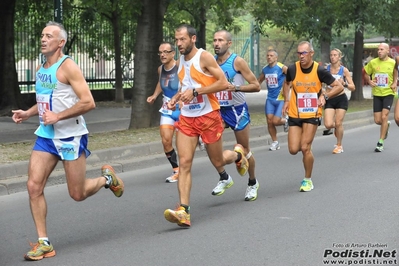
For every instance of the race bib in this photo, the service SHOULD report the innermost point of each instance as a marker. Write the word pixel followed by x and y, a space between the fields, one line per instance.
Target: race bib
pixel 225 98
pixel 307 102
pixel 381 79
pixel 271 80
pixel 164 109
pixel 337 77
pixel 43 103
pixel 196 103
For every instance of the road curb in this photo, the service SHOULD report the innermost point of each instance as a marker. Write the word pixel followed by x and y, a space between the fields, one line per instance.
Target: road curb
pixel 13 176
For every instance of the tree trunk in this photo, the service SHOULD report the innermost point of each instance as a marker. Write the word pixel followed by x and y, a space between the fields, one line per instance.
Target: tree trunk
pixel 201 37
pixel 119 97
pixel 325 51
pixel 325 42
pixel 149 36
pixel 9 89
pixel 357 95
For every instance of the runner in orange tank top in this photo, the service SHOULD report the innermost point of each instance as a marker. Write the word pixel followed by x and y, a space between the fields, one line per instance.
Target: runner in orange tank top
pixel 304 107
pixel 200 77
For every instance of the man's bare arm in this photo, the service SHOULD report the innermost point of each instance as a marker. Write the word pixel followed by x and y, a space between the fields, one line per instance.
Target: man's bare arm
pixel 209 66
pixel 253 85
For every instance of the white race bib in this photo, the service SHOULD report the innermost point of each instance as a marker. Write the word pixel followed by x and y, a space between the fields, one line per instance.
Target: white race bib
pixel 307 102
pixel 382 79
pixel 271 80
pixel 164 109
pixel 43 103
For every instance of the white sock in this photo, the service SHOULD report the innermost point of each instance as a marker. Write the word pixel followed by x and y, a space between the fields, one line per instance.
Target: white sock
pixel 45 240
pixel 308 179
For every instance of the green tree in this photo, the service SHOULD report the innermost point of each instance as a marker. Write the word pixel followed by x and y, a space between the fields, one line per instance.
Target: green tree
pixel 309 19
pixel 198 12
pixel 361 14
pixel 121 15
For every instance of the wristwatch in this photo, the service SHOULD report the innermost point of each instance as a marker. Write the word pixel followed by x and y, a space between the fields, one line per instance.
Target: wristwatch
pixel 238 87
pixel 326 96
pixel 346 85
pixel 195 93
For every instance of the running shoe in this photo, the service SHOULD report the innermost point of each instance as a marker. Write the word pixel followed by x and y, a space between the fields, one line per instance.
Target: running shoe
pixel 275 146
pixel 386 134
pixel 222 185
pixel 39 251
pixel 242 165
pixel 174 177
pixel 178 216
pixel 252 192
pixel 116 185
pixel 327 132
pixel 286 124
pixel 338 149
pixel 380 147
pixel 306 186
pixel 201 144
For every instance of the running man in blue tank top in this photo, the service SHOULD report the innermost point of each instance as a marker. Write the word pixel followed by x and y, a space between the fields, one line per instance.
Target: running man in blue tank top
pixel 168 84
pixel 274 75
pixel 233 107
pixel 62 97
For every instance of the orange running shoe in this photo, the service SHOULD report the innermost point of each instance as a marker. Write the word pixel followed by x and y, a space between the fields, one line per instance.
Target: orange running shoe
pixel 338 149
pixel 116 186
pixel 39 251
pixel 174 177
pixel 242 165
pixel 178 216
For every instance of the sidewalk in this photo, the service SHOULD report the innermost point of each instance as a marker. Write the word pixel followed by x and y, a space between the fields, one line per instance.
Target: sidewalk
pixel 13 176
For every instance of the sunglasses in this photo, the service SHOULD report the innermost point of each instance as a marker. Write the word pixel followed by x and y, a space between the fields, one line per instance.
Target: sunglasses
pixel 164 52
pixel 302 53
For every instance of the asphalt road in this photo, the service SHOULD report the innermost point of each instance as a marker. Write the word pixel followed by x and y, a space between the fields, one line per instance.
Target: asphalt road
pixel 353 208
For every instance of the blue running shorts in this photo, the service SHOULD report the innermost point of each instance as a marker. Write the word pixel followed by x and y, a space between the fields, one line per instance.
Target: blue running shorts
pixel 236 117
pixel 274 107
pixel 68 149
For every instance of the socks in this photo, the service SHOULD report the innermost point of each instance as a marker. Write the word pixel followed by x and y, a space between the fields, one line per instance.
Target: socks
pixel 108 180
pixel 186 208
pixel 223 175
pixel 252 182
pixel 172 157
pixel 239 156
pixel 45 240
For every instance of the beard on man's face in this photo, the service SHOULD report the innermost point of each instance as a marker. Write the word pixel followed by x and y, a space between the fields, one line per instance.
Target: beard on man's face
pixel 188 49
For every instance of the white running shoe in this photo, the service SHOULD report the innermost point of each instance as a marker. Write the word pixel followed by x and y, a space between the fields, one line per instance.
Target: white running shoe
pixel 252 192
pixel 275 146
pixel 222 186
pixel 174 177
pixel 201 144
pixel 286 124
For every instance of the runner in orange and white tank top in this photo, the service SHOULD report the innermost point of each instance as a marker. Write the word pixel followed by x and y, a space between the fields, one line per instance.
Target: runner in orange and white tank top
pixel 200 77
pixel 192 77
